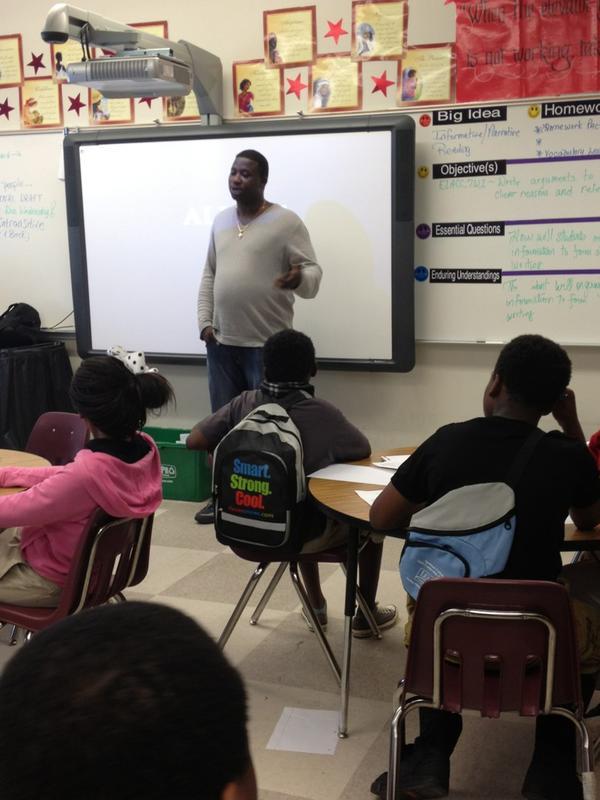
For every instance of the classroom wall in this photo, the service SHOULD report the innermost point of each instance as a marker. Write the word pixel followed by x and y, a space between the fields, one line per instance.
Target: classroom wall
pixel 448 380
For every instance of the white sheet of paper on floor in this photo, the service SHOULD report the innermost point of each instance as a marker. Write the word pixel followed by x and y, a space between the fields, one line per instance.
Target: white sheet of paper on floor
pixel 353 473
pixel 369 496
pixel 305 730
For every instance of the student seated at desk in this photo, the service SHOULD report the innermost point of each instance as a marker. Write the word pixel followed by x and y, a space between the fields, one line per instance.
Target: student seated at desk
pixel 132 700
pixel 529 380
pixel 118 470
pixel 327 437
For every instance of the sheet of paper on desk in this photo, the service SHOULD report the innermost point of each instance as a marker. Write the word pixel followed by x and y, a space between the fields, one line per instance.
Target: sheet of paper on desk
pixel 369 496
pixel 353 473
pixel 391 462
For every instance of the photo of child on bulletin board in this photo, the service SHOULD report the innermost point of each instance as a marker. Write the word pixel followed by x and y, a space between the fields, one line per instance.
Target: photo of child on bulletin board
pixel 245 97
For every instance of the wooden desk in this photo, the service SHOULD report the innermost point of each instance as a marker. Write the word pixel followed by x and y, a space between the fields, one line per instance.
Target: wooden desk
pixel 18 458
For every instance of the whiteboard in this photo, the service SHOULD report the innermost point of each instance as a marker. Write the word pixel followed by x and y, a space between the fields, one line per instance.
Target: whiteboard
pixel 507 222
pixel 144 209
pixel 33 227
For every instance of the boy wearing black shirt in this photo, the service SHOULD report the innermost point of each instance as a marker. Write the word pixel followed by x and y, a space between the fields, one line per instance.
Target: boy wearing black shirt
pixel 530 380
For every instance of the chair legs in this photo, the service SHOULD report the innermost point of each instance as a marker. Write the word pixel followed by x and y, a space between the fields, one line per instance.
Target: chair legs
pixel 588 777
pixel 316 625
pixel 397 737
pixel 268 592
pixel 14 635
pixel 242 603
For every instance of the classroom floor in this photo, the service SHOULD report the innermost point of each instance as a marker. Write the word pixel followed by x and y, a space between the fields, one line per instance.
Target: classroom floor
pixel 283 667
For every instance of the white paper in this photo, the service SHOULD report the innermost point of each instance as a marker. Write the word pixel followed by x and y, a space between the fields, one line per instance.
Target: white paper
pixel 353 473
pixel 390 462
pixel 370 496
pixel 305 730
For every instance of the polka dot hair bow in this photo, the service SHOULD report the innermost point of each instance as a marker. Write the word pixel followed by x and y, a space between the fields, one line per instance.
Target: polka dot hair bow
pixel 135 361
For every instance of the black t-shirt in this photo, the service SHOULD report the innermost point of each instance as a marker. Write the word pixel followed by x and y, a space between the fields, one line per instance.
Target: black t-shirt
pixel 561 474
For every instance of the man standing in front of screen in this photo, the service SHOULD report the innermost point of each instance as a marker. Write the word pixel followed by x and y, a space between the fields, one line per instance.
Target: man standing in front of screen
pixel 259 256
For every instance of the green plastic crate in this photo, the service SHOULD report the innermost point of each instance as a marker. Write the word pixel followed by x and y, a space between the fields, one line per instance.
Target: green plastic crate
pixel 186 474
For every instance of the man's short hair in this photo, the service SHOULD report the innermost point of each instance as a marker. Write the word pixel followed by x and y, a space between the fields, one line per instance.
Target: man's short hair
pixel 289 356
pixel 122 701
pixel 534 370
pixel 259 160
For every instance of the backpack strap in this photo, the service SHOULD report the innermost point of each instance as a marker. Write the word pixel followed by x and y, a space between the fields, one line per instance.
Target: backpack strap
pixel 522 458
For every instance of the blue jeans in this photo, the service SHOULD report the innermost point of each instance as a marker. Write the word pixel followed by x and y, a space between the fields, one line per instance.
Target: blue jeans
pixel 232 370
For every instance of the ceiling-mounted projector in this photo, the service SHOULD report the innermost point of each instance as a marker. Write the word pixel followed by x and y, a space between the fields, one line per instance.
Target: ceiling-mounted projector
pixel 143 65
pixel 134 76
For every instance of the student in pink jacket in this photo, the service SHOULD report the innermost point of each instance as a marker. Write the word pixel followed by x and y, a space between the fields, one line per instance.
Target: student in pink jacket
pixel 118 470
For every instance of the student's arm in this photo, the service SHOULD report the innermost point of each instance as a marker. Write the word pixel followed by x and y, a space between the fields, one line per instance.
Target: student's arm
pixel 585 502
pixel 206 293
pixel 391 510
pixel 26 476
pixel 61 496
pixel 348 443
pixel 304 275
pixel 565 413
pixel 586 518
pixel 207 433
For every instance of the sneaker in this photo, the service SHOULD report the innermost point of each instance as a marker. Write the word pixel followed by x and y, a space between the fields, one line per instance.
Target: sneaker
pixel 551 780
pixel 424 774
pixel 321 616
pixel 385 617
pixel 206 515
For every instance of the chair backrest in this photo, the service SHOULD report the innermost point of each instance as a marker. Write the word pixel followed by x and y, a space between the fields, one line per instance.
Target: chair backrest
pixel 112 555
pixel 58 436
pixel 488 645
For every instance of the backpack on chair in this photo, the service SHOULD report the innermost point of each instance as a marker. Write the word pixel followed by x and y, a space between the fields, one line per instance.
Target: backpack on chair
pixel 20 325
pixel 259 486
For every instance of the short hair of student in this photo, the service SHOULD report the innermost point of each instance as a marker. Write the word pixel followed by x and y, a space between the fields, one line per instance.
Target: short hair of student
pixel 259 160
pixel 122 701
pixel 105 392
pixel 288 356
pixel 534 370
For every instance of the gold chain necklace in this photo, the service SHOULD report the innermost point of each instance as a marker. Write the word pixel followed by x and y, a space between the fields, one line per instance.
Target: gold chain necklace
pixel 243 228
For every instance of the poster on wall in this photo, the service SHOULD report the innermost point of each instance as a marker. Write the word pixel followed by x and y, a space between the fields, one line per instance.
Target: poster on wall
pixel 113 111
pixel 181 108
pixel 290 36
pixel 41 104
pixel 507 50
pixel 257 89
pixel 11 60
pixel 379 29
pixel 335 84
pixel 71 52
pixel 425 75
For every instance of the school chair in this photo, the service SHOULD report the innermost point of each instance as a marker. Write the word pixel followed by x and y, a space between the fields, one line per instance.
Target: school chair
pixel 58 436
pixel 336 555
pixel 492 646
pixel 112 555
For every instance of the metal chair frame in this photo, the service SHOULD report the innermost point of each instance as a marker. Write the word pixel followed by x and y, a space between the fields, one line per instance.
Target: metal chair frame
pixel 405 706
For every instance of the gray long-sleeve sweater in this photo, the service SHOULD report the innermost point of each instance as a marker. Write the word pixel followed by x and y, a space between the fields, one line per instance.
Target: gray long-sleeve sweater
pixel 237 296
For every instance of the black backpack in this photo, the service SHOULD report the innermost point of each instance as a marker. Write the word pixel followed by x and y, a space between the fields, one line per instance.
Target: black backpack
pixel 20 325
pixel 259 486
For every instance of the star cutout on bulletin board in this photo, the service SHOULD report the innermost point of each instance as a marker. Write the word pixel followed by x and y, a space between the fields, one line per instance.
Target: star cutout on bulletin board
pixel 296 86
pixel 381 83
pixel 335 30
pixel 5 109
pixel 146 100
pixel 37 62
pixel 76 104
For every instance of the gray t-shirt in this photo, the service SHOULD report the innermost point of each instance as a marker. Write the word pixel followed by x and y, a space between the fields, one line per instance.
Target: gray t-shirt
pixel 237 296
pixel 327 436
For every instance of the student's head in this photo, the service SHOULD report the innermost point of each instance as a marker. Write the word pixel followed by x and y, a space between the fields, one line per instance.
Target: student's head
pixel 289 356
pixel 248 176
pixel 114 400
pixel 244 86
pixel 532 372
pixel 123 701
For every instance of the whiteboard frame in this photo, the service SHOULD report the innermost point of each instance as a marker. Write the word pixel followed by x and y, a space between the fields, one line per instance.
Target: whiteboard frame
pixel 402 167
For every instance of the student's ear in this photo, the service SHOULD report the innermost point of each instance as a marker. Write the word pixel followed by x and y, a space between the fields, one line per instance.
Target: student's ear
pixel 242 789
pixel 494 387
pixel 313 371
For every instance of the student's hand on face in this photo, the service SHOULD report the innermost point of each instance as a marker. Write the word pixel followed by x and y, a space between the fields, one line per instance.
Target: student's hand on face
pixel 208 334
pixel 291 279
pixel 565 410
